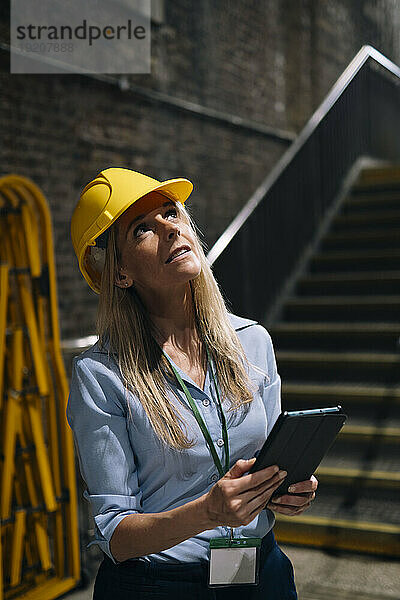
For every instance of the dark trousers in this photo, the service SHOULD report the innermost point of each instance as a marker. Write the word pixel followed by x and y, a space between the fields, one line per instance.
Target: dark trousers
pixel 147 581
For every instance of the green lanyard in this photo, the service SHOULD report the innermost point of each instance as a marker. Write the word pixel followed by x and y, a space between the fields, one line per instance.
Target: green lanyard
pixel 200 420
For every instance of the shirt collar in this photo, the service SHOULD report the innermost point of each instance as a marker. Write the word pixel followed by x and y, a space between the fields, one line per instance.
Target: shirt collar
pixel 188 379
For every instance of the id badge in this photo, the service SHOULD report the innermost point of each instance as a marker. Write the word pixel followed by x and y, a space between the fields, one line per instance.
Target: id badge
pixel 234 561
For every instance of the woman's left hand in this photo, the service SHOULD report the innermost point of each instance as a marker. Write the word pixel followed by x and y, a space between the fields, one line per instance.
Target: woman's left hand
pixel 290 504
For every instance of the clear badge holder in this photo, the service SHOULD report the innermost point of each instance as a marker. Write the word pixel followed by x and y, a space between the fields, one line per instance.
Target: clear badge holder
pixel 234 561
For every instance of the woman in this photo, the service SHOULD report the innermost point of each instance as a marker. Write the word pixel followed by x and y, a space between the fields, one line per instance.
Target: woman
pixel 169 408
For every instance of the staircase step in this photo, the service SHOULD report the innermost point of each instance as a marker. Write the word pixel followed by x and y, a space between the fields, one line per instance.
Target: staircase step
pixel 335 532
pixel 352 477
pixel 368 433
pixel 350 282
pixel 336 336
pixel 343 366
pixel 371 219
pixel 338 393
pixel 378 193
pixel 362 239
pixel 361 260
pixel 374 460
pixel 343 308
pixel 384 419
pixel 362 503
pixel 370 202
pixel 378 177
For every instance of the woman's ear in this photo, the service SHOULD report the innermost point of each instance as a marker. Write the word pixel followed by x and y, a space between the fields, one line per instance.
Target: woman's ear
pixel 123 281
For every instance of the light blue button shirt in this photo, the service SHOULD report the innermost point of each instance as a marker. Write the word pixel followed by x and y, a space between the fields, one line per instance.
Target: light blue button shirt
pixel 127 470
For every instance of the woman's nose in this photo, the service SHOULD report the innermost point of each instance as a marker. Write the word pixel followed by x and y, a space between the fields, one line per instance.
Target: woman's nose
pixel 172 230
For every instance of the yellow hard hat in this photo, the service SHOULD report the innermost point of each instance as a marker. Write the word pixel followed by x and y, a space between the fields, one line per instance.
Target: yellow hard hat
pixel 101 203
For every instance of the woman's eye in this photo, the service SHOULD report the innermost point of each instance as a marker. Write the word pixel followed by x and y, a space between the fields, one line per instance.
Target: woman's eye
pixel 140 229
pixel 172 212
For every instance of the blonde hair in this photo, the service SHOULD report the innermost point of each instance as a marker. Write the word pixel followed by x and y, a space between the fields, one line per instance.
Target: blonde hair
pixel 143 366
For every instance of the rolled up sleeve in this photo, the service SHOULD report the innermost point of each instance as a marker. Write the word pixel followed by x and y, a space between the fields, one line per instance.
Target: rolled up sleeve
pixel 106 460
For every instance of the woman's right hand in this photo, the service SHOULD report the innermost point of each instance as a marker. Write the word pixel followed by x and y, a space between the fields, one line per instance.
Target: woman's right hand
pixel 236 499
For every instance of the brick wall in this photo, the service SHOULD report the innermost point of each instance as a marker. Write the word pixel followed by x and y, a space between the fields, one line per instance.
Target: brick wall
pixel 271 61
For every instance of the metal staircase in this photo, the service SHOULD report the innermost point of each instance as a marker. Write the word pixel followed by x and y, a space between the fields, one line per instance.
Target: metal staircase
pixel 325 281
pixel 338 342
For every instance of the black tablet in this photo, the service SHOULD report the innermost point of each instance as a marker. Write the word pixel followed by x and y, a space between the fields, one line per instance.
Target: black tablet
pixel 298 442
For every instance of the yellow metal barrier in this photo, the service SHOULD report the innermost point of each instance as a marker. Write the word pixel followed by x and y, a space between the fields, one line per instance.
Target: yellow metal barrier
pixel 39 542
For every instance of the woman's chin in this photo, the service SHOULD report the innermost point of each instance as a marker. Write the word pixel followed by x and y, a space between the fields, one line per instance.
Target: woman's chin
pixel 188 269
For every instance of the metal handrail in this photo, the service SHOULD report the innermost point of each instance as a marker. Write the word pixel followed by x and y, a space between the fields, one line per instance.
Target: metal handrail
pixel 271 239
pixel 361 58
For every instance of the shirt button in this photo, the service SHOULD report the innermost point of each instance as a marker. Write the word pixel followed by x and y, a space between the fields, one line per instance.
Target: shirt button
pixel 220 442
pixel 214 478
pixel 206 402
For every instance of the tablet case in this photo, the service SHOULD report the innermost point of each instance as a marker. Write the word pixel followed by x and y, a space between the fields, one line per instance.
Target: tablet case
pixel 298 442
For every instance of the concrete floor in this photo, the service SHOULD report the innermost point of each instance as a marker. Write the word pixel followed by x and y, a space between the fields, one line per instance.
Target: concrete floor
pixel 324 576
